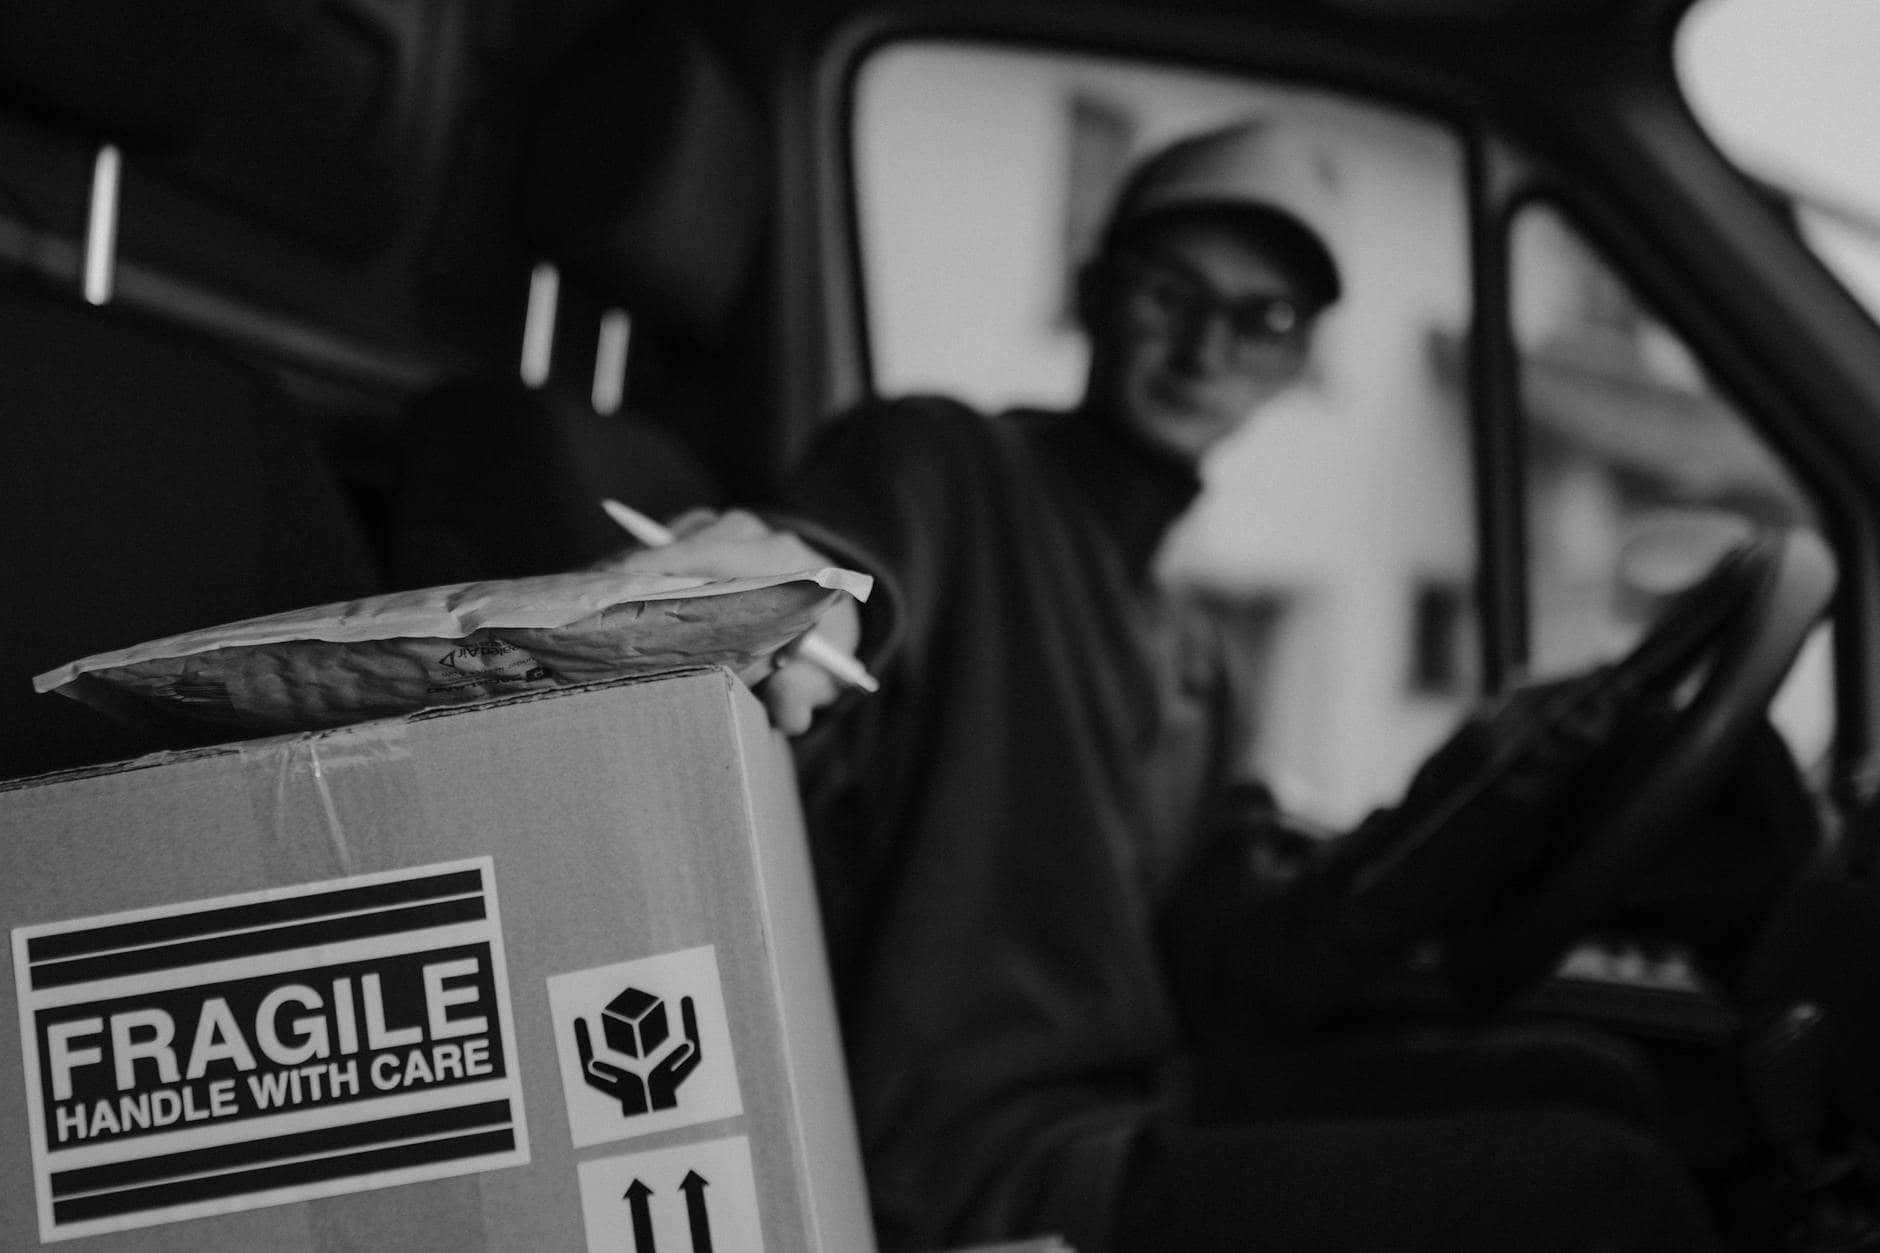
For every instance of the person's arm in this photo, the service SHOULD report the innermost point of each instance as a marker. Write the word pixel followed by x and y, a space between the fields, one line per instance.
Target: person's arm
pixel 738 544
pixel 1277 929
pixel 865 497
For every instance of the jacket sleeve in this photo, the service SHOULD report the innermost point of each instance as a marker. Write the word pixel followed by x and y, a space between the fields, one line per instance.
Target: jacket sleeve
pixel 879 490
pixel 1273 928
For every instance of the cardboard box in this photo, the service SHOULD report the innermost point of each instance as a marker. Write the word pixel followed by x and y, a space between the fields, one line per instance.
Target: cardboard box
pixel 539 974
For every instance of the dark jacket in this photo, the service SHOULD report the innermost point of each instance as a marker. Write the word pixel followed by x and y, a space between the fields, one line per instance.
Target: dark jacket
pixel 998 831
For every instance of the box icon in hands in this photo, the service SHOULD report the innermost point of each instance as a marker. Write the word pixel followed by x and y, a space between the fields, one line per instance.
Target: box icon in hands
pixel 634 1023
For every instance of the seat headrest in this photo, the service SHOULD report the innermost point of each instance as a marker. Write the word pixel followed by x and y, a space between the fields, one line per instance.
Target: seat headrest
pixel 287 113
pixel 642 173
pixel 317 131
pixel 137 74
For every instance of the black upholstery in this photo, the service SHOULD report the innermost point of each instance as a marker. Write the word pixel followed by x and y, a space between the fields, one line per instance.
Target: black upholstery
pixel 502 481
pixel 151 484
pixel 152 480
pixel 311 179
pixel 157 480
pixel 639 179
pixel 640 173
pixel 136 74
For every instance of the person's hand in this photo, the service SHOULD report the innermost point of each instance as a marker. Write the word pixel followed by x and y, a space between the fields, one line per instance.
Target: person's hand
pixel 797 688
pixel 737 544
pixel 662 1083
pixel 621 1084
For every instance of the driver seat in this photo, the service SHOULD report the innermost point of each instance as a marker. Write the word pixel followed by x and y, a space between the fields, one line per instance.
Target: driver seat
pixel 639 186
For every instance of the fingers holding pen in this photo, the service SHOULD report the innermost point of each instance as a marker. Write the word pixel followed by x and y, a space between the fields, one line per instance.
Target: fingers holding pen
pixel 729 545
pixel 808 674
pixel 794 693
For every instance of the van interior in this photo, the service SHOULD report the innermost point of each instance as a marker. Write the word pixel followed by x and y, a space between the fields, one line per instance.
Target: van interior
pixel 305 301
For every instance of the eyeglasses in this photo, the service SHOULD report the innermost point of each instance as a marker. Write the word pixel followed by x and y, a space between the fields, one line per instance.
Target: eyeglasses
pixel 1166 300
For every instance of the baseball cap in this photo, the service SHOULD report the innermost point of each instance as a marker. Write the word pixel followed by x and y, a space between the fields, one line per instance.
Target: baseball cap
pixel 1267 173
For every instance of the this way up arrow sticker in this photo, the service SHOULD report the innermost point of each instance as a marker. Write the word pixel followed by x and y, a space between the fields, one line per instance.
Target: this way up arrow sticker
pixel 697 1217
pixel 637 1196
pixel 693 1198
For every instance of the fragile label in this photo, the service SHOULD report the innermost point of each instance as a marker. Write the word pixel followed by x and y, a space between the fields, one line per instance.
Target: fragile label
pixel 262 1049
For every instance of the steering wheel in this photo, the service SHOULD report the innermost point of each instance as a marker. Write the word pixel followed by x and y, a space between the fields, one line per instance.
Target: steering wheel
pixel 1734 636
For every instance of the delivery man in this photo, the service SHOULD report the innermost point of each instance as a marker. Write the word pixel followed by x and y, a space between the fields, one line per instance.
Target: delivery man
pixel 1025 841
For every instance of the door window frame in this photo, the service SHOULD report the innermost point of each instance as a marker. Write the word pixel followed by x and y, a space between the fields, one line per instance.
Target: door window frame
pixel 1504 173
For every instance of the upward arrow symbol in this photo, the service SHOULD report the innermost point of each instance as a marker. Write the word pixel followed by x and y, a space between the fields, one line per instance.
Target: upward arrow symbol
pixel 694 1185
pixel 636 1197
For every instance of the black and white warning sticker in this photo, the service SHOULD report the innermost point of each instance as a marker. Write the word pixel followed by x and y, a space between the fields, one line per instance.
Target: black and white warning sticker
pixel 645 1046
pixel 694 1198
pixel 256 1050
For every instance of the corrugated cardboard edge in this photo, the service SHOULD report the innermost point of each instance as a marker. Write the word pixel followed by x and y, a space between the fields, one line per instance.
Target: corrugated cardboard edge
pixel 263 743
pixel 835 1194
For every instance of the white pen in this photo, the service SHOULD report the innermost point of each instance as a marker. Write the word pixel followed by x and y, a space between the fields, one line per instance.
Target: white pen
pixel 814 648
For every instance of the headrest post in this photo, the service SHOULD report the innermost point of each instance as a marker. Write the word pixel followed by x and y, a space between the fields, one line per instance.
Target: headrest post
pixel 610 360
pixel 101 226
pixel 538 326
